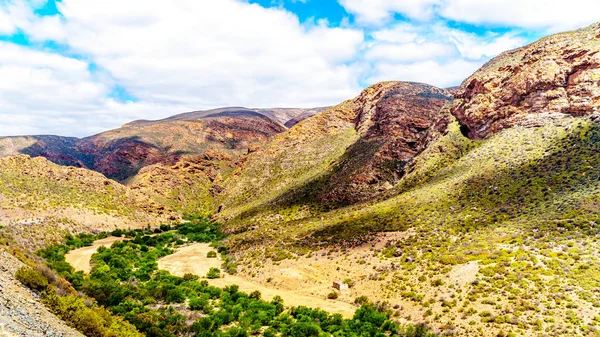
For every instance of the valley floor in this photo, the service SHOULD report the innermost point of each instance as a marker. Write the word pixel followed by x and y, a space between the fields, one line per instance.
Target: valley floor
pixel 192 259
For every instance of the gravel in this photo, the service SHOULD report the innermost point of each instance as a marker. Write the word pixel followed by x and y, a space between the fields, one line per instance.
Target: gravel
pixel 21 312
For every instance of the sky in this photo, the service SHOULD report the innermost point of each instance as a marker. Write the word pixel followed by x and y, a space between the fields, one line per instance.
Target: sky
pixel 80 67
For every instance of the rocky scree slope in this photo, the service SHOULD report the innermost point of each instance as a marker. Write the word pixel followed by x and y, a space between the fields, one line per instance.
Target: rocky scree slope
pixel 21 314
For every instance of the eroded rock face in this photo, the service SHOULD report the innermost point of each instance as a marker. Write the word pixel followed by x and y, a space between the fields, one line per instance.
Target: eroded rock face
pixel 394 127
pixel 557 74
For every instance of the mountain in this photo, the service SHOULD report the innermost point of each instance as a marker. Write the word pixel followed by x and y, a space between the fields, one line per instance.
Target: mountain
pixel 473 209
pixel 41 201
pixel 557 74
pixel 349 153
pixel 119 154
pixel 489 219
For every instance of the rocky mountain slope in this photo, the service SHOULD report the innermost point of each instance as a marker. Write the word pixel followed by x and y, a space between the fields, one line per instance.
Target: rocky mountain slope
pixel 349 153
pixel 557 74
pixel 119 154
pixel 41 201
pixel 178 161
pixel 506 189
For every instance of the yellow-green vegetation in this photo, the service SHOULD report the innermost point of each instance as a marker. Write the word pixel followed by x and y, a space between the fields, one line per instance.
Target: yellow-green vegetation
pixel 524 203
pixel 37 184
pixel 282 179
pixel 79 312
pixel 183 187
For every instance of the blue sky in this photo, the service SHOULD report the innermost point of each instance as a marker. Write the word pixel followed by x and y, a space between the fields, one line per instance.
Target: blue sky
pixel 78 67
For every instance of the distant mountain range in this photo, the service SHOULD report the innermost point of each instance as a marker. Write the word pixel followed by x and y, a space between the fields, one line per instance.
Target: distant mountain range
pixel 119 154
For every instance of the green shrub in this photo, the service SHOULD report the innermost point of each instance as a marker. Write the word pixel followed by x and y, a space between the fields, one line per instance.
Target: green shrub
pixel 350 282
pixel 437 282
pixel 91 321
pixel 255 295
pixel 31 278
pixel 190 277
pixel 212 254
pixel 214 273
pixel 199 304
pixel 333 295
pixel 361 300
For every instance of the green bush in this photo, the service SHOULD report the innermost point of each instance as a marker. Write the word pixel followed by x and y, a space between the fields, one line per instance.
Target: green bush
pixel 190 277
pixel 350 282
pixel 91 321
pixel 333 295
pixel 255 295
pixel 361 300
pixel 31 278
pixel 437 282
pixel 212 254
pixel 214 273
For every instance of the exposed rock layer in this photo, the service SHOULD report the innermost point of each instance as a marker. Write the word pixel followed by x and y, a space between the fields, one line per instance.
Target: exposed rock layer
pixel 557 74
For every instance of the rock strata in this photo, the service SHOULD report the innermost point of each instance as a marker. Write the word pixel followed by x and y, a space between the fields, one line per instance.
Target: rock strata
pixel 557 74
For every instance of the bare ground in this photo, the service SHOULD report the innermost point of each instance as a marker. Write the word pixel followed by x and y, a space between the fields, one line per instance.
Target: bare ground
pixel 80 258
pixel 192 259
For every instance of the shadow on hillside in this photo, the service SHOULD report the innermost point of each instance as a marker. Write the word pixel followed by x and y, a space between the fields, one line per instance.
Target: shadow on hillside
pixel 128 155
pixel 559 190
pixel 312 193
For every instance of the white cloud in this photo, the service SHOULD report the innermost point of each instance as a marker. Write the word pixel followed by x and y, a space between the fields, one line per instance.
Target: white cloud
pixel 6 24
pixel 433 54
pixel 401 33
pixel 409 52
pixel 430 72
pixel 43 93
pixel 555 15
pixel 213 53
pixel 474 47
pixel 378 12
pixel 173 58
pixel 552 15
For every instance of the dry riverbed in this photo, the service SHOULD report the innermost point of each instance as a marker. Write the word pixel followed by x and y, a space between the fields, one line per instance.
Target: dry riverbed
pixel 193 259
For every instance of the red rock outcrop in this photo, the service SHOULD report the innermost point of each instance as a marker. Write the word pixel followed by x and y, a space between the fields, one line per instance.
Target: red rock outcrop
pixel 557 74
pixel 394 128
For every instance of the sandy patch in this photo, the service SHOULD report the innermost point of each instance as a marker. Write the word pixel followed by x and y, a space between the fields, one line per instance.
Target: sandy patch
pixel 80 258
pixel 465 273
pixel 192 259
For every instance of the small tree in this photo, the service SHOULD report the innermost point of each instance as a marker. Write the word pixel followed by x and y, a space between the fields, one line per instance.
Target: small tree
pixel 255 295
pixel 190 277
pixel 350 282
pixel 214 273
